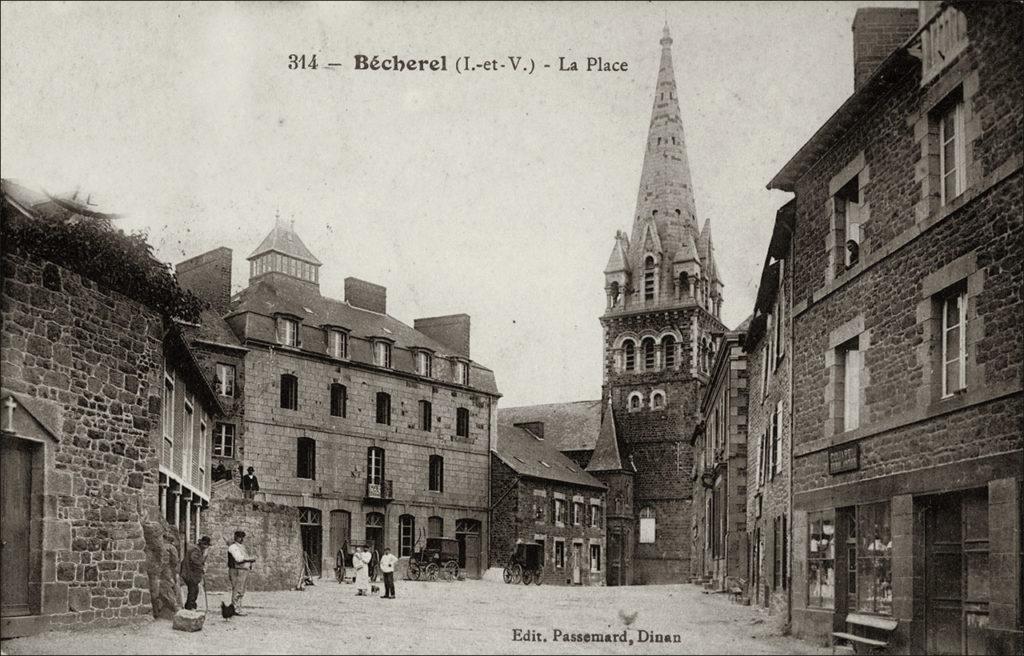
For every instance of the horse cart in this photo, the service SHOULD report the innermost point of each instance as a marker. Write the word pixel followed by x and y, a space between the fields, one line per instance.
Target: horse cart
pixel 525 565
pixel 438 558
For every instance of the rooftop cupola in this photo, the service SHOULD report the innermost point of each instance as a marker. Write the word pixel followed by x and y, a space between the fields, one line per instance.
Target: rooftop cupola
pixel 283 252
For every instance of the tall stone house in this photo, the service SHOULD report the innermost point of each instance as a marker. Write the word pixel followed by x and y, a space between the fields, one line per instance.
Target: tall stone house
pixel 375 431
pixel 769 441
pixel 104 417
pixel 664 298
pixel 907 342
pixel 719 474
pixel 538 495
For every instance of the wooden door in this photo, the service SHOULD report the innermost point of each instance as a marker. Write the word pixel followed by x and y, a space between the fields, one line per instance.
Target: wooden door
pixel 577 557
pixel 15 523
pixel 341 530
pixel 614 558
pixel 957 573
pixel 471 550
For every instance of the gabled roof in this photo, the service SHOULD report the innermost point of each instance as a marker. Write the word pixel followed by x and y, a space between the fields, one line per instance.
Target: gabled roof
pixel 529 456
pixel 606 453
pixel 283 239
pixel 282 295
pixel 572 426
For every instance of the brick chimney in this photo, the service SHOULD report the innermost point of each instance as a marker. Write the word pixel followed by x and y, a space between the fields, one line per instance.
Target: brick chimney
pixel 451 330
pixel 877 31
pixel 366 295
pixel 208 276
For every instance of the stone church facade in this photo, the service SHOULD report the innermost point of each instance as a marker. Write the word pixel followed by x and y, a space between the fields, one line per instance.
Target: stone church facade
pixel 664 302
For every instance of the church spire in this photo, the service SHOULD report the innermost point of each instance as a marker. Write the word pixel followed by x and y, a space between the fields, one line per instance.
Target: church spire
pixel 665 184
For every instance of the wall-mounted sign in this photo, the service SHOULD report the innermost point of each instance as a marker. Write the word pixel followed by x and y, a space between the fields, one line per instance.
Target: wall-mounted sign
pixel 844 458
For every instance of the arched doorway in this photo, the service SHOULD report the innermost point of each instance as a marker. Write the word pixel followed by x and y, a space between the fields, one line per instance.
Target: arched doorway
pixel 467 532
pixel 375 531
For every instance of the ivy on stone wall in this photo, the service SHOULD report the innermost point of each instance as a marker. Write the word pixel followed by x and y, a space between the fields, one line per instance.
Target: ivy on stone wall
pixel 91 248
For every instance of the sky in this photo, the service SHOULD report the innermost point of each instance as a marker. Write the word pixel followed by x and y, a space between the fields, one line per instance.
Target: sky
pixel 493 193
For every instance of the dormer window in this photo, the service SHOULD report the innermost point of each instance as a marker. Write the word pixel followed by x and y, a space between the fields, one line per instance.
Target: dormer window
pixel 461 371
pixel 424 363
pixel 382 353
pixel 337 343
pixel 288 331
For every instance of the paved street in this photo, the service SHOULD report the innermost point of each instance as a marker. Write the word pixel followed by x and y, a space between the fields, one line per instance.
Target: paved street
pixel 464 617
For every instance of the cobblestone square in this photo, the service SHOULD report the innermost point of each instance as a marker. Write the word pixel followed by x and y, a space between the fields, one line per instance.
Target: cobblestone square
pixel 465 617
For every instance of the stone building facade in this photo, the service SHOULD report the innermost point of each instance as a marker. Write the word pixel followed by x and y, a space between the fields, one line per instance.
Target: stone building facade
pixel 373 429
pixel 907 348
pixel 769 436
pixel 720 471
pixel 541 496
pixel 664 299
pixel 80 415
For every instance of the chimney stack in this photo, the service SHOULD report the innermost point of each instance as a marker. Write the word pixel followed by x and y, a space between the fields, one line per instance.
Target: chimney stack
pixel 877 31
pixel 366 295
pixel 451 330
pixel 208 276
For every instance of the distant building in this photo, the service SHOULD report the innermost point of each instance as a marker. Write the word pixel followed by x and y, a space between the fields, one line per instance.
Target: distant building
pixel 373 430
pixel 538 495
pixel 907 341
pixel 720 470
pixel 769 434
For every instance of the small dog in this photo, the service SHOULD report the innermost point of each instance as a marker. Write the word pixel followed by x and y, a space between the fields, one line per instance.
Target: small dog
pixel 227 610
pixel 374 588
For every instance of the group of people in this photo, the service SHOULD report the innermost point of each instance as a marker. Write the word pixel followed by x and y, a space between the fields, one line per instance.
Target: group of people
pixel 361 559
pixel 193 569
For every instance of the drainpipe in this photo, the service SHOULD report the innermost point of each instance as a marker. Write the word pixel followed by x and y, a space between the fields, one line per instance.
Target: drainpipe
pixel 788 271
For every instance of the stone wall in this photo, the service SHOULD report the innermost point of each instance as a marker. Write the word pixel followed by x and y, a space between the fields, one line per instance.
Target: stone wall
pixel 514 517
pixel 657 441
pixel 770 500
pixel 914 442
pixel 272 435
pixel 271 536
pixel 93 357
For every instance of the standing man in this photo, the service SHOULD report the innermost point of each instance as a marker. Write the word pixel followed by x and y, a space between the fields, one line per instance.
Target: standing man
pixel 250 484
pixel 193 569
pixel 387 567
pixel 239 566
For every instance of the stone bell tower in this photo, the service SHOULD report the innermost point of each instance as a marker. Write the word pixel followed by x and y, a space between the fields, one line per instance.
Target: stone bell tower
pixel 664 299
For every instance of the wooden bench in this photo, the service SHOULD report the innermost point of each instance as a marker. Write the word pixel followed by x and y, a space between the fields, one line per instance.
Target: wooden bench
pixel 879 625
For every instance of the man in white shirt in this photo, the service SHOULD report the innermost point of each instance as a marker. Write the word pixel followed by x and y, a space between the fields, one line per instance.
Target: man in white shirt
pixel 387 567
pixel 239 566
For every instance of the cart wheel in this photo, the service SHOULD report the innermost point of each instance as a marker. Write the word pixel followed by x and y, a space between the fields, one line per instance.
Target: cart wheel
pixel 414 571
pixel 432 572
pixel 451 570
pixel 537 576
pixel 527 577
pixel 517 573
pixel 506 574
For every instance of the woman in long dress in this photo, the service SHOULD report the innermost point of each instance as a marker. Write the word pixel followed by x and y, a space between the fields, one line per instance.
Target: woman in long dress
pixel 361 563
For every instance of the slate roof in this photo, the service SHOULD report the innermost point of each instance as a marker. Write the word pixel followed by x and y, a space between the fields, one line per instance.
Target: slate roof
pixel 283 239
pixel 269 296
pixel 572 426
pixel 529 456
pixel 606 454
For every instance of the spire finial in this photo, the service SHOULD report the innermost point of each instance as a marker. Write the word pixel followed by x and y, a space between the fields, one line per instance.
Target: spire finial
pixel 666 38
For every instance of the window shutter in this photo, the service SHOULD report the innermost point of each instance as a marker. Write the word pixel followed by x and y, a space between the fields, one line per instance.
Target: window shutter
pixel 769 559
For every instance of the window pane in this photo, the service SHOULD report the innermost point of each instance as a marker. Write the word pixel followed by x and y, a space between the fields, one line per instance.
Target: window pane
pixel 949 186
pixel 952 349
pixel 949 155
